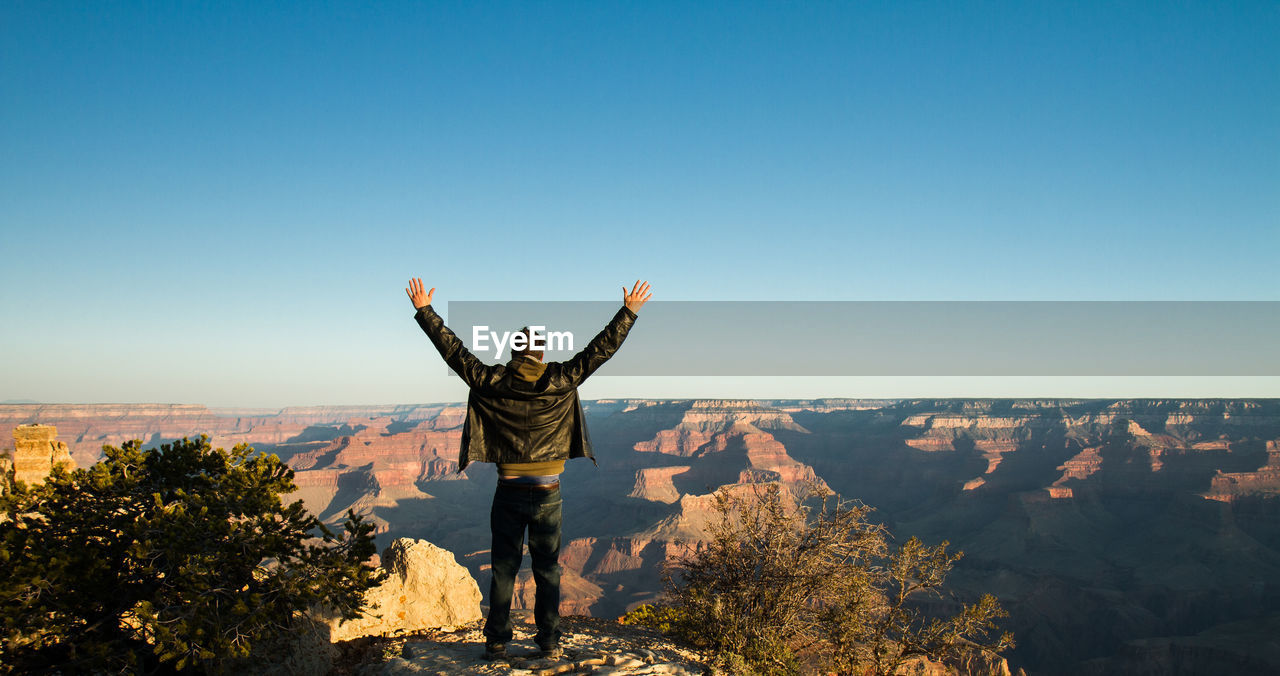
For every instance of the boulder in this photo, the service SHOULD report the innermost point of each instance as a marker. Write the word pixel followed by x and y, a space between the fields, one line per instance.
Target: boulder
pixel 425 588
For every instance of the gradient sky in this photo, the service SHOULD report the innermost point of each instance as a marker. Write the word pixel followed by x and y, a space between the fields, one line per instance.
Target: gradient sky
pixel 221 203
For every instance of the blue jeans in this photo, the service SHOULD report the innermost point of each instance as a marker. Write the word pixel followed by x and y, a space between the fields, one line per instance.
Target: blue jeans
pixel 514 510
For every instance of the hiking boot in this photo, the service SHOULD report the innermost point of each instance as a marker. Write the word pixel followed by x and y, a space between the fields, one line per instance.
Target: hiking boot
pixel 495 651
pixel 552 653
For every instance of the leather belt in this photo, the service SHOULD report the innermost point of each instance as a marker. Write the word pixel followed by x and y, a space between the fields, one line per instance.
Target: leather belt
pixel 527 486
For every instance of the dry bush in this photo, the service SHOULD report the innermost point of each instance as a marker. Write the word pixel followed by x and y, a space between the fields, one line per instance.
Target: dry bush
pixel 786 584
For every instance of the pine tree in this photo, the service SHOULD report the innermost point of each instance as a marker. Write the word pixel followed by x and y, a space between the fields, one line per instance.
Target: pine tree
pixel 170 558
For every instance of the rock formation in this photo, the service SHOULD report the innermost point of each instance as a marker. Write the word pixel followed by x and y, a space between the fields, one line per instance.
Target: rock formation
pixel 36 451
pixel 378 463
pixel 706 423
pixel 654 483
pixel 425 589
pixel 1264 481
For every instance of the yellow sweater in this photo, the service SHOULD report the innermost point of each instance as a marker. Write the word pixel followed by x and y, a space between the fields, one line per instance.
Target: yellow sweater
pixel 547 468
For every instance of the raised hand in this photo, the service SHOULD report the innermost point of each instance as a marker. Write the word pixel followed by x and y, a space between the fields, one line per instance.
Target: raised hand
pixel 420 298
pixel 639 296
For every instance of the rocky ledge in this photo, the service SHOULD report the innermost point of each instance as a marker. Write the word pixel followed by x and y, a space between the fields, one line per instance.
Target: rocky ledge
pixel 591 646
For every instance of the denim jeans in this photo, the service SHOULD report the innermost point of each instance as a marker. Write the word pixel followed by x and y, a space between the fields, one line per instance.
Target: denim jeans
pixel 514 510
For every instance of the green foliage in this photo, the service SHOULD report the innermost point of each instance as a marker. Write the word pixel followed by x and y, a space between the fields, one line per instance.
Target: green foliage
pixel 783 586
pixel 168 559
pixel 666 619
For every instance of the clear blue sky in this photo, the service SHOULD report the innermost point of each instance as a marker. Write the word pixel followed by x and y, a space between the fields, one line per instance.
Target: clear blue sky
pixel 221 203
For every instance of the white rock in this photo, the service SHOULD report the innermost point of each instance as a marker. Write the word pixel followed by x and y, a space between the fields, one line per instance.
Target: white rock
pixel 625 661
pixel 425 589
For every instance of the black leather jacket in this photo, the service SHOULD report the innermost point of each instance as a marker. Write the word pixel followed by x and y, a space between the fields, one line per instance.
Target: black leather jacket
pixel 511 419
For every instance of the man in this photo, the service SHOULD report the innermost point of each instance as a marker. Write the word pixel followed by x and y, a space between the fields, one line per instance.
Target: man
pixel 525 416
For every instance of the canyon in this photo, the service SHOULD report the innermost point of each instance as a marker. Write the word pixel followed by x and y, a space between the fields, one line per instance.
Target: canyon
pixel 1120 535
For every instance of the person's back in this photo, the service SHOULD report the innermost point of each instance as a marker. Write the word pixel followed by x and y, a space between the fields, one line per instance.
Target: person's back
pixel 526 417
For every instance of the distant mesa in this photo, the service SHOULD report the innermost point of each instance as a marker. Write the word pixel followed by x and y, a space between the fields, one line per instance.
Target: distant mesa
pixel 1265 481
pixel 707 425
pixel 86 428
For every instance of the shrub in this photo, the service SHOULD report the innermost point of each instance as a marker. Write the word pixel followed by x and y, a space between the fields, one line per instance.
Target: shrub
pixel 171 558
pixel 666 619
pixel 784 585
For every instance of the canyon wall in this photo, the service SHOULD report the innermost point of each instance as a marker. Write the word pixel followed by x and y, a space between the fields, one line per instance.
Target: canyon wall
pixel 1116 532
pixel 85 428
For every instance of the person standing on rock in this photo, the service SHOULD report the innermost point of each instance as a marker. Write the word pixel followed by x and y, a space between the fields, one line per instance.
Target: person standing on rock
pixel 526 417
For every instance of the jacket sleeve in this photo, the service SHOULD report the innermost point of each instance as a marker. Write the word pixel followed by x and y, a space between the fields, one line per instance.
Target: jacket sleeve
pixel 601 348
pixel 456 355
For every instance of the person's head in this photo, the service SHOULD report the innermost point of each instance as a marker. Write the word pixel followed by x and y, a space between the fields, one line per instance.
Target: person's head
pixel 527 342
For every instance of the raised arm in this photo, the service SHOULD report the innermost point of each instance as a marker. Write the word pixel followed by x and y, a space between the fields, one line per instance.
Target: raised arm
pixel 634 300
pixel 455 354
pixel 607 342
